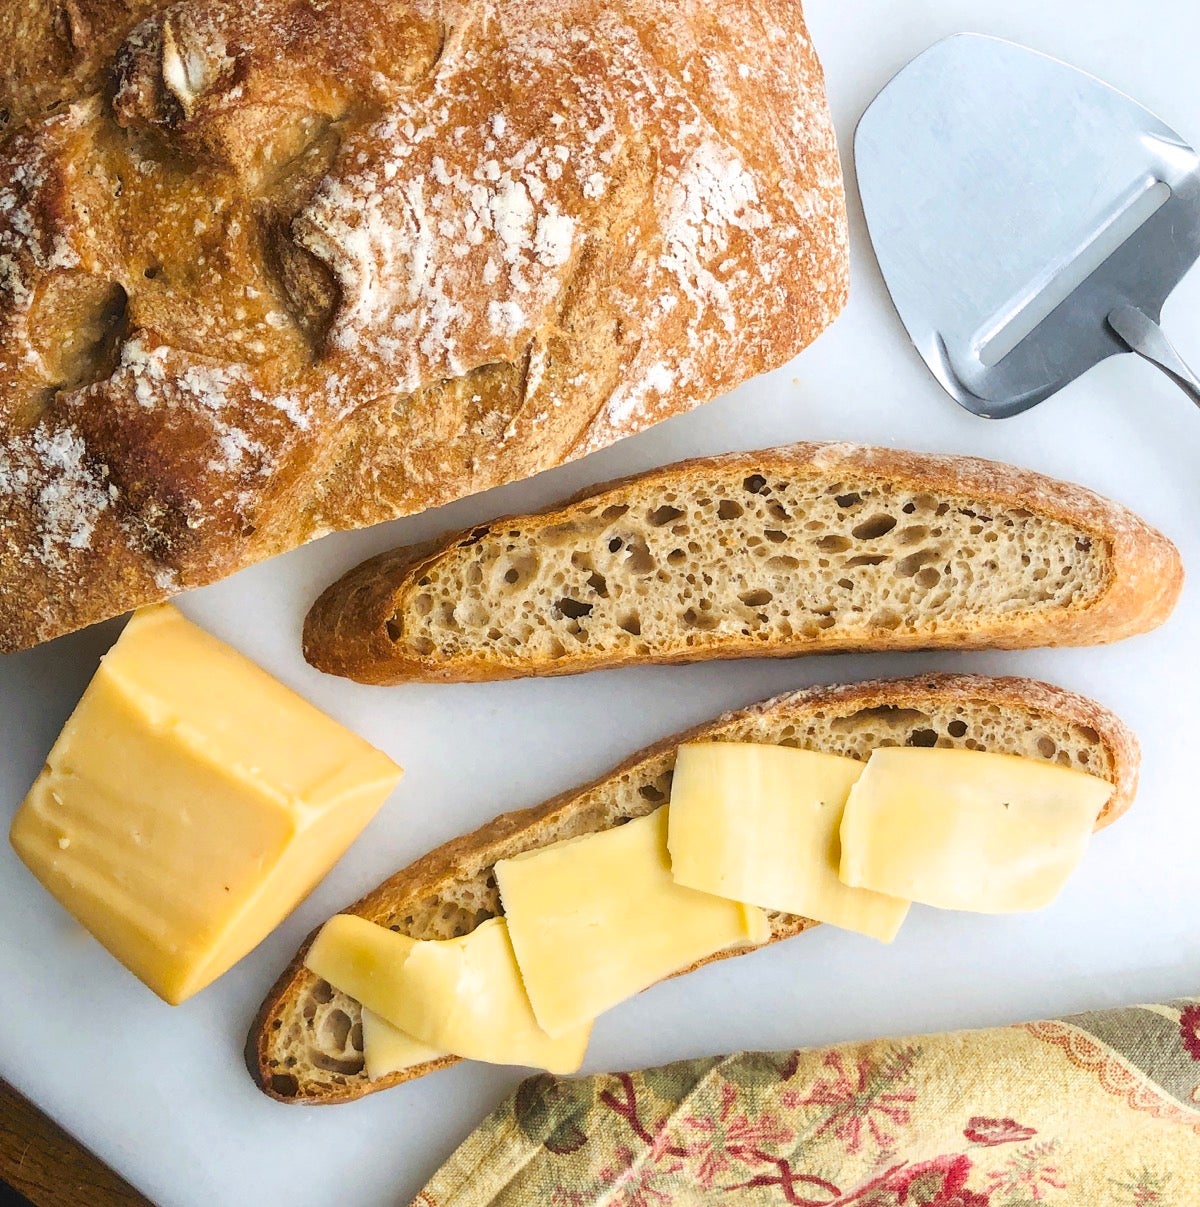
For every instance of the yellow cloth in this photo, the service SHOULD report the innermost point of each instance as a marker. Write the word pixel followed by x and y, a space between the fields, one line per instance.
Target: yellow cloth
pixel 1098 1110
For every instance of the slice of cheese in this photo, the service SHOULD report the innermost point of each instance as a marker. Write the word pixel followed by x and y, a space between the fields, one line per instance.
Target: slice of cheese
pixel 761 824
pixel 596 919
pixel 191 802
pixel 458 995
pixel 387 1049
pixel 961 829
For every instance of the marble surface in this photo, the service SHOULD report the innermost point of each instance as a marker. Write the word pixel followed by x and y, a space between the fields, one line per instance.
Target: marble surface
pixel 162 1095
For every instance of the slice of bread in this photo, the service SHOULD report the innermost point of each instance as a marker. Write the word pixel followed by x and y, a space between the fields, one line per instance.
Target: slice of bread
pixel 306 1043
pixel 805 549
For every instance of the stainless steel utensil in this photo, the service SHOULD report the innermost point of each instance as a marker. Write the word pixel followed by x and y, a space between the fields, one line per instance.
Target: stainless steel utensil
pixel 1030 220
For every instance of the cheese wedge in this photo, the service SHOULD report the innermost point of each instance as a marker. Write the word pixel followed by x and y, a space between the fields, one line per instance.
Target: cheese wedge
pixel 387 1049
pixel 760 824
pixel 596 919
pixel 190 802
pixel 966 830
pixel 456 995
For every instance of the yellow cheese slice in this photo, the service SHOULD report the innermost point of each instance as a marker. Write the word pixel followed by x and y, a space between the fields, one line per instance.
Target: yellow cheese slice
pixel 962 829
pixel 596 919
pixel 458 995
pixel 191 802
pixel 760 824
pixel 387 1049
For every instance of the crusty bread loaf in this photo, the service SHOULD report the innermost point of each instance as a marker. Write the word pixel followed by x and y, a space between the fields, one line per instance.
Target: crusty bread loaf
pixel 805 549
pixel 270 270
pixel 306 1043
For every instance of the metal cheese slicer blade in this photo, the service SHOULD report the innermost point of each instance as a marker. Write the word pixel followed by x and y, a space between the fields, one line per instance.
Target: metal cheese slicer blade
pixel 1030 220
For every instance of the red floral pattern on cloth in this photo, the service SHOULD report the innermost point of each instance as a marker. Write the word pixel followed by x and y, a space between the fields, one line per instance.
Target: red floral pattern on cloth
pixel 939 1183
pixel 861 1107
pixel 860 1100
pixel 728 1137
pixel 991 1132
pixel 1189 1029
pixel 1030 1172
pixel 1014 1117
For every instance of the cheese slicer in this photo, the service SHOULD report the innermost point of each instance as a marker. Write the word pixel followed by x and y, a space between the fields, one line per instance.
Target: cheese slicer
pixel 1030 220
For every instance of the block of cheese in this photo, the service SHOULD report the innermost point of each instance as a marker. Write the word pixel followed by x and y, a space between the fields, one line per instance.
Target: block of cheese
pixel 760 824
pixel 190 802
pixel 387 1049
pixel 598 918
pixel 967 830
pixel 457 995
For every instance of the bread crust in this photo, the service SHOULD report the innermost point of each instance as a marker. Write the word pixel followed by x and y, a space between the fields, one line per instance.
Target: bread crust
pixel 269 271
pixel 432 875
pixel 346 631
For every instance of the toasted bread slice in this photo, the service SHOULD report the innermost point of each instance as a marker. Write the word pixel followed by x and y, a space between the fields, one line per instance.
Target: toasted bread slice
pixel 306 1043
pixel 805 549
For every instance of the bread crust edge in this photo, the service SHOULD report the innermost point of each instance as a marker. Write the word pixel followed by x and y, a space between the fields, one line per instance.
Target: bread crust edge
pixel 346 630
pixel 428 874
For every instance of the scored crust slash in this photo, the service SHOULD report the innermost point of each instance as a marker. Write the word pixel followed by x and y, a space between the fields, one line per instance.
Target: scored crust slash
pixel 268 272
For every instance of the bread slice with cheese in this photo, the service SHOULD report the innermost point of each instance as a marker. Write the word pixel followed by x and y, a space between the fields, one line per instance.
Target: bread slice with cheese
pixel 306 1044
pixel 804 549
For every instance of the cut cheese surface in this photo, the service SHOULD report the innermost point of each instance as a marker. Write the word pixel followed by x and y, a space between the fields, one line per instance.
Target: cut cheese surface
pixel 596 919
pixel 190 802
pixel 463 996
pixel 966 830
pixel 760 824
pixel 387 1049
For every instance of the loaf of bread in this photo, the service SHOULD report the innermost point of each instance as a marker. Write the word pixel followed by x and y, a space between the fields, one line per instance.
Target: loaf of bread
pixel 305 1045
pixel 805 549
pixel 270 270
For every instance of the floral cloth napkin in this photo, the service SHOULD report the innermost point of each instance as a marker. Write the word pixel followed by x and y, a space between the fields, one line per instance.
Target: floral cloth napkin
pixel 1096 1110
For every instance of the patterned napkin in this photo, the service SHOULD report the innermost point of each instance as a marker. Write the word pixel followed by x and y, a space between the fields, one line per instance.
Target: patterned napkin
pixel 1098 1110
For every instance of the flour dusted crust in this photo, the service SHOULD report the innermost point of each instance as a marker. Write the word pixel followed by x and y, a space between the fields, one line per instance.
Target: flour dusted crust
pixel 300 1048
pixel 355 627
pixel 274 268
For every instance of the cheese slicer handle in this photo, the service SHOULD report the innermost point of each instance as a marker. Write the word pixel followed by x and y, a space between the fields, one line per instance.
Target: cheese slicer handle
pixel 1145 337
